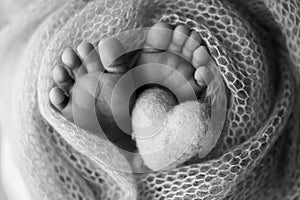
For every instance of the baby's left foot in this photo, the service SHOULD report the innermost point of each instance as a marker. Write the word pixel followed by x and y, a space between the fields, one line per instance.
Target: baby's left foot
pixel 80 79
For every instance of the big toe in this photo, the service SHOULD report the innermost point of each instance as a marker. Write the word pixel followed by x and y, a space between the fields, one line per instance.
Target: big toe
pixel 159 36
pixel 113 55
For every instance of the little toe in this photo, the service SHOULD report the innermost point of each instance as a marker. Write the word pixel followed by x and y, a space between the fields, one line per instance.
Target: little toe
pixel 71 60
pixel 90 57
pixel 192 43
pixel 159 37
pixel 113 55
pixel 62 78
pixel 200 57
pixel 58 98
pixel 180 36
pixel 203 76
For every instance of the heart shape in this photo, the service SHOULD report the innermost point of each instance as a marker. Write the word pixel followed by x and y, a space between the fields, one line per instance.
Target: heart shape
pixel 168 134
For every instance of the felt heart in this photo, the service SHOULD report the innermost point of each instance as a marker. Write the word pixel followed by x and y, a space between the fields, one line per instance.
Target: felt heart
pixel 167 133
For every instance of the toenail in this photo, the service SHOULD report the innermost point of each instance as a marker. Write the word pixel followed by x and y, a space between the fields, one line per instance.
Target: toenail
pixel 60 74
pixel 57 96
pixel 203 74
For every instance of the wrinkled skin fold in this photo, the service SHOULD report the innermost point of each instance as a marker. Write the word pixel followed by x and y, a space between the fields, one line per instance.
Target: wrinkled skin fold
pixel 256 46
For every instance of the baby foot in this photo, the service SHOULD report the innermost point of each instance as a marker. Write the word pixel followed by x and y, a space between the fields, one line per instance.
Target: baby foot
pixel 180 49
pixel 79 82
pixel 167 134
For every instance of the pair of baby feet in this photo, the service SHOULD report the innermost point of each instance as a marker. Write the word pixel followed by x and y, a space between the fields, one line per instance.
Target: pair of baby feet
pixel 89 68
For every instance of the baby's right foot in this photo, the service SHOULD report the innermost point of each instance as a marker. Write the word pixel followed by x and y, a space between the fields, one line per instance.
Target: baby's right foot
pixel 168 135
pixel 79 81
pixel 181 50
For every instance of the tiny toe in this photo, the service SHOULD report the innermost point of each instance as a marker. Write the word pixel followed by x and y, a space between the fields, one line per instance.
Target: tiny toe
pixel 62 77
pixel 200 57
pixel 71 59
pixel 191 45
pixel 90 57
pixel 203 76
pixel 159 36
pixel 180 36
pixel 58 98
pixel 113 55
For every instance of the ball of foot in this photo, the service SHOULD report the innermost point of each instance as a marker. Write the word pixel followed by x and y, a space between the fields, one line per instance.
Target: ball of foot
pixel 167 133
